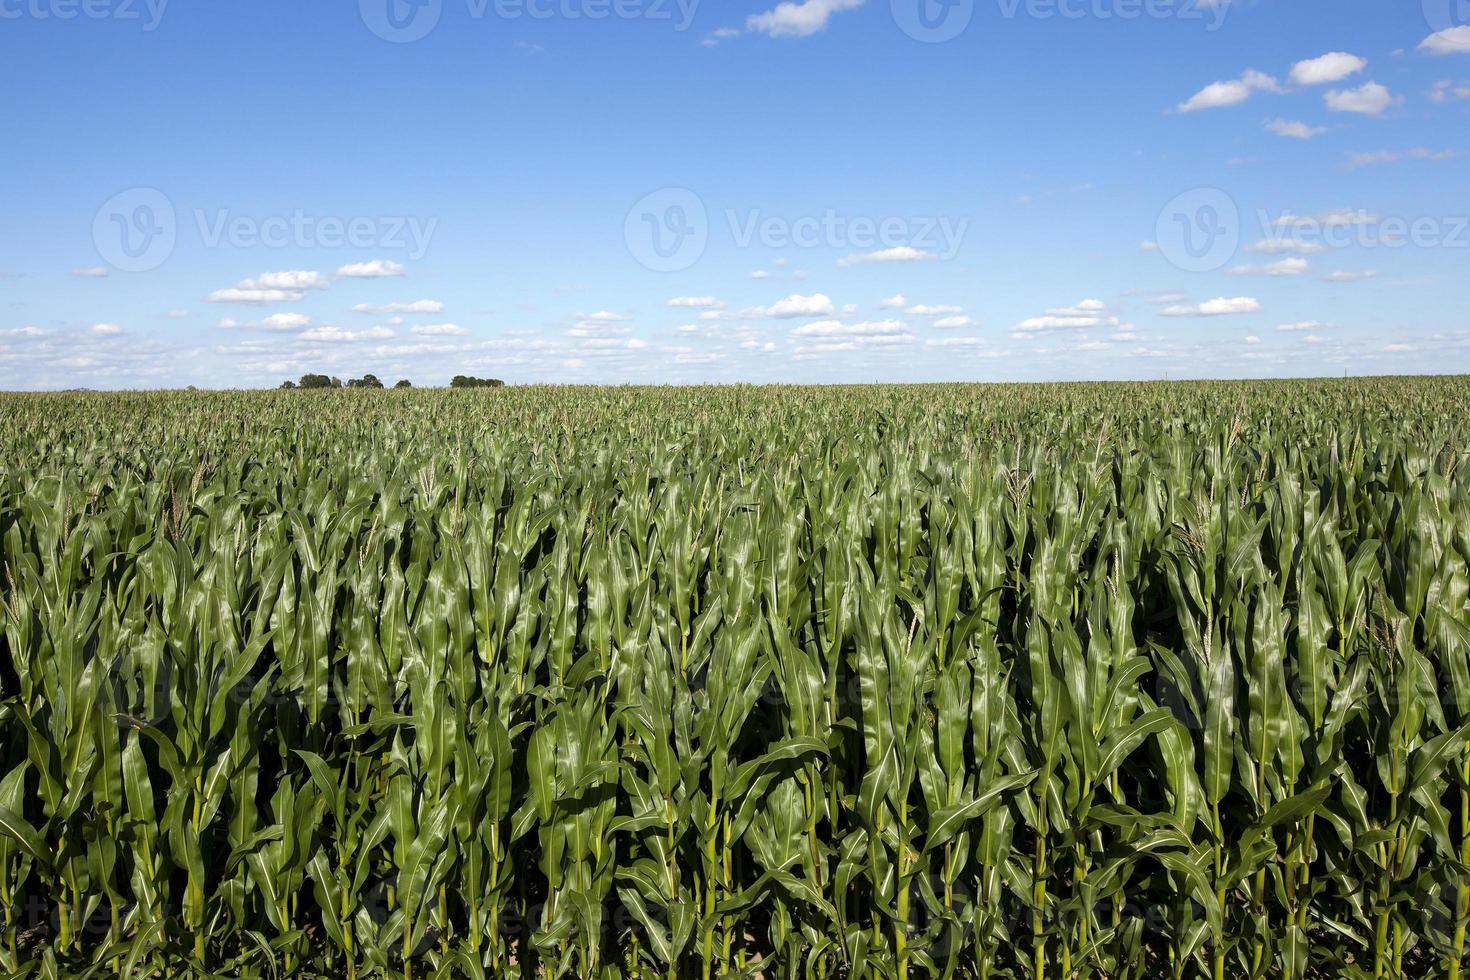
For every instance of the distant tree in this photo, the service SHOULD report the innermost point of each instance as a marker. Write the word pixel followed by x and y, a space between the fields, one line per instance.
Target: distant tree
pixel 336 382
pixel 317 381
pixel 288 385
pixel 366 381
pixel 405 383
pixel 461 381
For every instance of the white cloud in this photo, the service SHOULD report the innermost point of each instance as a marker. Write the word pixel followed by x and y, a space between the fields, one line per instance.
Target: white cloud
pixel 1252 339
pixel 1149 246
pixel 695 303
pixel 896 302
pixel 1333 67
pixel 926 310
pixel 1371 99
pixel 798 19
pixel 1394 156
pixel 290 279
pixel 271 287
pixel 1089 314
pixel 1345 276
pixel 95 272
pixel 1279 246
pixel 1448 91
pixel 603 316
pixel 376 269
pixel 1305 326
pixel 1285 267
pixel 107 329
pixel 176 315
pixel 1456 40
pixel 1218 95
pixel 953 323
pixel 818 304
pixel 255 297
pixel 439 330
pixel 1327 219
pixel 336 335
pixel 760 274
pixel 902 253
pixel 1400 348
pixel 835 328
pixel 1293 130
pixel 285 321
pixel 1217 307
pixel 388 309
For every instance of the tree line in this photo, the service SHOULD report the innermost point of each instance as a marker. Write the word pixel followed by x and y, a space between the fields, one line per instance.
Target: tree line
pixel 319 381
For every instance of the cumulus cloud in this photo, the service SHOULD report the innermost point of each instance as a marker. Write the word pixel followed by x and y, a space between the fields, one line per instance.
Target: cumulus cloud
pixel 902 253
pixel 1394 156
pixel 1217 307
pixel 695 303
pixel 1326 219
pixel 794 306
pixel 1285 267
pixel 1370 99
pixel 376 269
pixel 896 302
pixel 1456 40
pixel 1346 276
pixel 1304 326
pixel 94 272
pixel 1448 91
pixel 923 309
pixel 255 297
pixel 1089 314
pixel 439 330
pixel 1218 95
pixel 389 309
pixel 798 19
pixel 271 287
pixel 836 328
pixel 1293 130
pixel 953 322
pixel 337 335
pixel 1332 67
pixel 106 329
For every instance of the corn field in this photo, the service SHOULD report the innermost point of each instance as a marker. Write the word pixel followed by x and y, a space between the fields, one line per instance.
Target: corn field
pixel 954 682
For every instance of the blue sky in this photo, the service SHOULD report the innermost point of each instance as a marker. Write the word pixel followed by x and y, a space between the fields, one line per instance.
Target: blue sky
pixel 675 191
